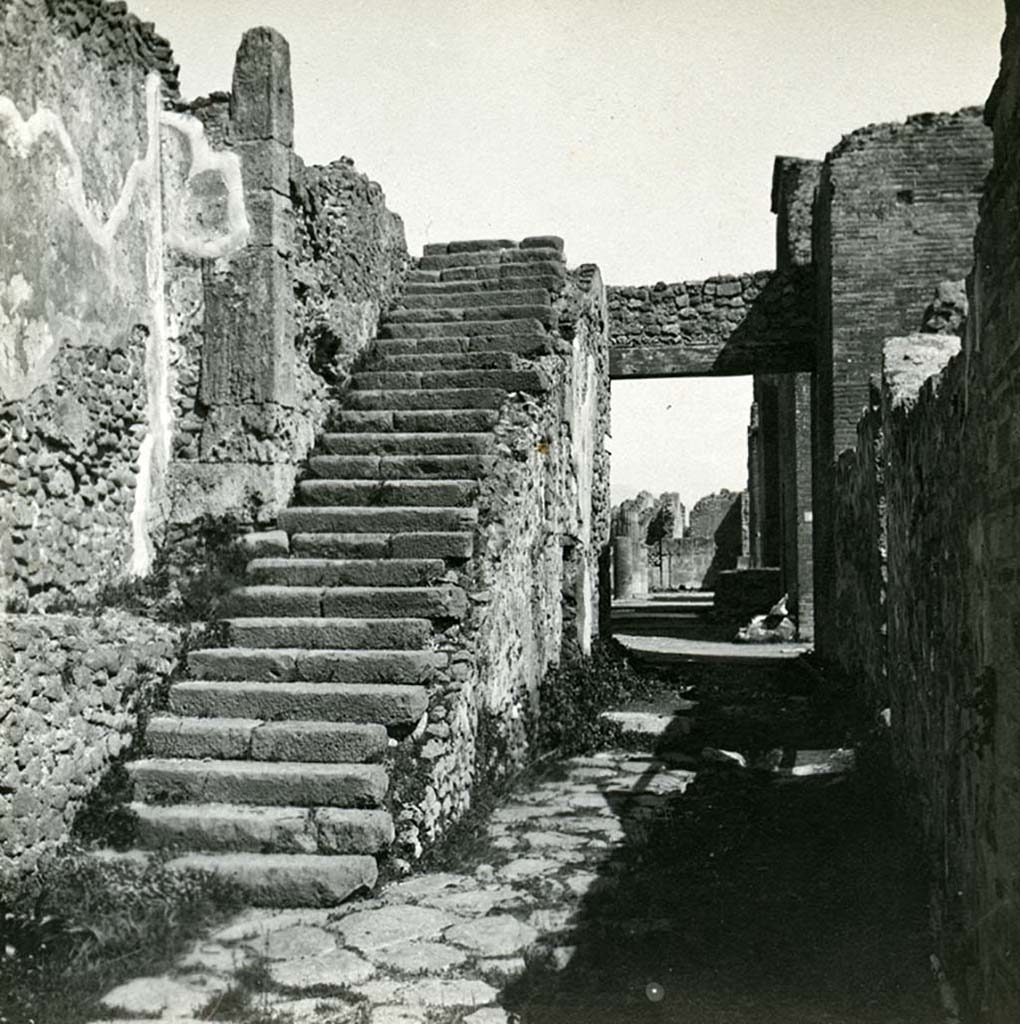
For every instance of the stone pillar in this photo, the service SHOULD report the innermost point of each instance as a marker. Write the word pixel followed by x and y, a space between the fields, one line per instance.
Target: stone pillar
pixel 797 562
pixel 248 355
pixel 628 553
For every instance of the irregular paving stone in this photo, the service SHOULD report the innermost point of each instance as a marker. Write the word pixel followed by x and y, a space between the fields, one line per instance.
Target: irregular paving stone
pixel 297 941
pixel 552 919
pixel 214 959
pixel 505 968
pixel 256 921
pixel 426 885
pixel 375 929
pixel 488 1015
pixel 340 967
pixel 158 996
pixel 476 902
pixel 498 935
pixel 555 840
pixel 317 1010
pixel 527 867
pixel 414 957
pixel 448 992
pixel 398 1015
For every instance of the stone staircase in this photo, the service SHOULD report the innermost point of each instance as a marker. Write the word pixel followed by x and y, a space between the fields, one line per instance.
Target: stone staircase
pixel 269 764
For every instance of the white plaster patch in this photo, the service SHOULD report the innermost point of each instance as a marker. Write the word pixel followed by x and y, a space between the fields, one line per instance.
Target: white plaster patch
pixel 26 345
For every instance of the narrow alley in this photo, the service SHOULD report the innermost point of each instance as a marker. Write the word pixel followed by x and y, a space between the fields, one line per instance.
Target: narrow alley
pixel 729 861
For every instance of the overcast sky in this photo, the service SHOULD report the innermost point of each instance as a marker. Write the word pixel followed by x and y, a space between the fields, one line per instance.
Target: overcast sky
pixel 642 131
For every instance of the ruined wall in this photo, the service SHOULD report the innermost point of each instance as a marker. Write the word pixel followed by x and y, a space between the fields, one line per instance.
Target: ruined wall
pixel 895 212
pixel 159 307
pixel 859 528
pixel 949 463
pixel 731 324
pixel 70 688
pixel 544 523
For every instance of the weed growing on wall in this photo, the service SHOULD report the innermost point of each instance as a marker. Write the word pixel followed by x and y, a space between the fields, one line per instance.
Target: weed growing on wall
pixel 573 696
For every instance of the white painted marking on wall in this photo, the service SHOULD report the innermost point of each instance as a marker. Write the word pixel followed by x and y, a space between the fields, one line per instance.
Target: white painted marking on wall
pixel 21 136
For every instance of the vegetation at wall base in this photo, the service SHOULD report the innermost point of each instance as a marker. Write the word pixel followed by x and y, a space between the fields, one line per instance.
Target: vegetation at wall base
pixel 77 926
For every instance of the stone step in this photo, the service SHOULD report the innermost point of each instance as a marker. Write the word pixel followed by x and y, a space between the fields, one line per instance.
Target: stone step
pixel 387 493
pixel 387 705
pixel 506 274
pixel 447 545
pixel 466 314
pixel 242 739
pixel 490 329
pixel 412 445
pixel 411 361
pixel 289 664
pixel 443 261
pixel 400 467
pixel 345 572
pixel 527 344
pixel 354 519
pixel 470 299
pixel 533 379
pixel 349 634
pixel 532 281
pixel 468 245
pixel 426 421
pixel 347 602
pixel 262 829
pixel 484 244
pixel 173 780
pixel 287 879
pixel 439 398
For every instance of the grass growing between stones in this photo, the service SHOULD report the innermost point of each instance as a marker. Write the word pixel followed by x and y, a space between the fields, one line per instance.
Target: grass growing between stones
pixel 77 927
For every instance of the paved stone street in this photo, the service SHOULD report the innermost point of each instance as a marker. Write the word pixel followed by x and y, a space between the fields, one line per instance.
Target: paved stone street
pixel 436 940
pixel 738 871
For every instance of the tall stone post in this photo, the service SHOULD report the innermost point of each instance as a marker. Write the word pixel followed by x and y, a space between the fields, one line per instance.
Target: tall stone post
pixel 249 438
pixel 626 554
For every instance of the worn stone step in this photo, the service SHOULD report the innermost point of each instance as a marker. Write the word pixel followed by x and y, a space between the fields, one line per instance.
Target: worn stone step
pixel 425 421
pixel 491 328
pixel 411 361
pixel 413 445
pixel 347 602
pixel 261 829
pixel 400 467
pixel 237 739
pixel 528 344
pixel 466 314
pixel 506 274
pixel 467 299
pixel 533 379
pixel 442 261
pixel 300 784
pixel 287 879
pixel 388 705
pixel 373 519
pixel 387 493
pixel 345 572
pixel 287 664
pixel 349 634
pixel 438 398
pixel 532 281
pixel 448 545
pixel 468 245
pixel 418 276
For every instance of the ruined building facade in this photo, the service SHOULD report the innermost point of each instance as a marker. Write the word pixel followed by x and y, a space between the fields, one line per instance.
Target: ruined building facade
pixel 302 522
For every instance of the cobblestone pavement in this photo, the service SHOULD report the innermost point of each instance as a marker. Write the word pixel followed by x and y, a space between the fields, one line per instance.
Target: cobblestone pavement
pixel 443 941
pixel 713 882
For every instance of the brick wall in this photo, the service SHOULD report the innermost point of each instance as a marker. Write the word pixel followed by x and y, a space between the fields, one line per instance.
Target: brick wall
pixel 895 212
pixel 946 452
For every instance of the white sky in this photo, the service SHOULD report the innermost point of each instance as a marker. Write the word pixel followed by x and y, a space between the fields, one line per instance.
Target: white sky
pixel 642 131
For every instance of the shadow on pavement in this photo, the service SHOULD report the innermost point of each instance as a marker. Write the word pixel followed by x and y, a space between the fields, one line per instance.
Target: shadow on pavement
pixel 740 897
